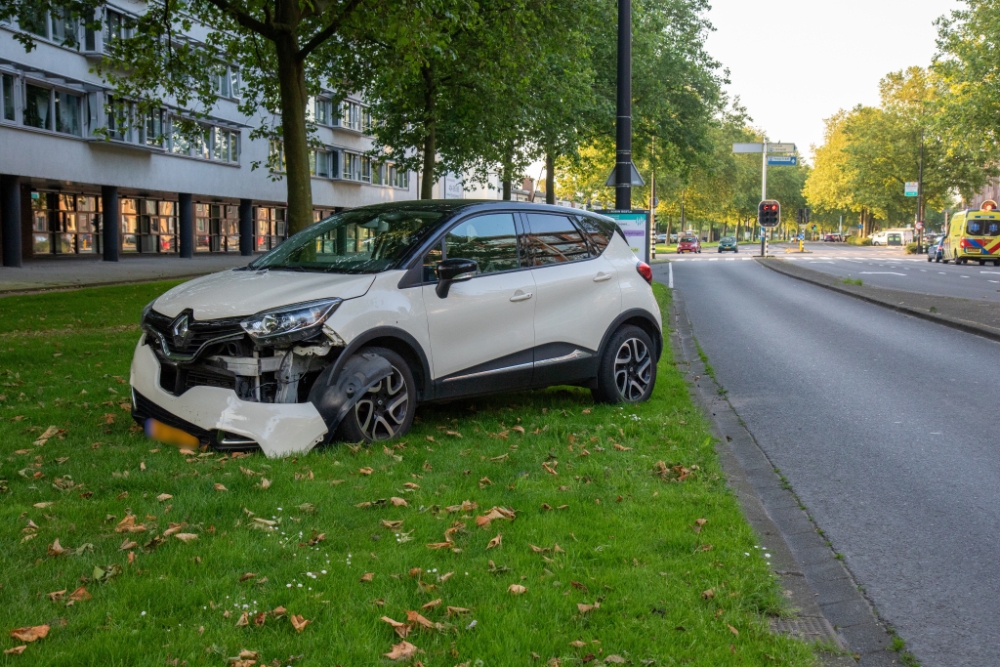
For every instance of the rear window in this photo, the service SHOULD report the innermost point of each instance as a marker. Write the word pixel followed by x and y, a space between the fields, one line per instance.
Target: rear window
pixel 554 239
pixel 974 227
pixel 598 232
pixel 992 227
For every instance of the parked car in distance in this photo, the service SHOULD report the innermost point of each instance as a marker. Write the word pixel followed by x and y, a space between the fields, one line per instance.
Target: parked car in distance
pixel 935 249
pixel 833 238
pixel 728 244
pixel 661 238
pixel 688 244
pixel 339 332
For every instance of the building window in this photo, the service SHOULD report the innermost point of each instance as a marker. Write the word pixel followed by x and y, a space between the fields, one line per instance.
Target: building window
pixel 269 227
pixel 116 26
pixel 34 19
pixel 366 120
pixel 7 96
pixel 65 224
pixel 209 143
pixel 399 178
pixel 276 156
pixel 226 81
pixel 321 163
pixel 378 173
pixel 154 128
pixel 65 28
pixel 37 107
pixel 350 116
pixel 68 113
pixel 323 111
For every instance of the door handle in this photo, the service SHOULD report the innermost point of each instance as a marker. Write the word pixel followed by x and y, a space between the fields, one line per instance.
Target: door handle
pixel 520 296
pixel 601 277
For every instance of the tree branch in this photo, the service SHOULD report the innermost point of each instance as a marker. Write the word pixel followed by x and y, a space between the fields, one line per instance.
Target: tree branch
pixel 327 32
pixel 244 19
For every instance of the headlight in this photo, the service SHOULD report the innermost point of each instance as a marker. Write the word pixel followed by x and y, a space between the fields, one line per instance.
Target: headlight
pixel 289 323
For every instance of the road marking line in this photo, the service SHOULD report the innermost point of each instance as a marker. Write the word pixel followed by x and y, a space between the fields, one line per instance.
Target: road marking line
pixel 882 273
pixel 993 281
pixel 993 272
pixel 730 259
pixel 964 276
pixel 942 273
pixel 713 259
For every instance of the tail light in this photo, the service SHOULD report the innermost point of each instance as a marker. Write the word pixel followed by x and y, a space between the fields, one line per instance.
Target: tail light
pixel 964 243
pixel 645 271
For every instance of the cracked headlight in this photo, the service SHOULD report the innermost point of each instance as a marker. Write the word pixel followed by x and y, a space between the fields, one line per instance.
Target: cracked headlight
pixel 289 323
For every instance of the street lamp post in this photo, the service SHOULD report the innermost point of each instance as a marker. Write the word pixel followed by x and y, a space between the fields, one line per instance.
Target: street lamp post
pixel 920 196
pixel 623 127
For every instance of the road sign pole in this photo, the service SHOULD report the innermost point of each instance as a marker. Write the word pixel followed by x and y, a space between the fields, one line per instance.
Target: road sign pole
pixel 763 196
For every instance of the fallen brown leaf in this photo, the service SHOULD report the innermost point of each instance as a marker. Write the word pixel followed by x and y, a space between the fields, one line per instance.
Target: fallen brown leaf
pixel 733 630
pixel 243 621
pixel 30 633
pixel 298 622
pixel 401 629
pixel 80 594
pixel 264 483
pixel 517 589
pixel 219 487
pixel 404 650
pixel 432 604
pixel 708 595
pixel 586 608
pixel 163 497
pixel 366 471
pixel 415 617
pixel 128 525
pixel 577 644
pixel 56 549
pixel 495 542
pixel 367 576
pixel 392 525
pixel 17 650
pixel 56 595
pixel 398 502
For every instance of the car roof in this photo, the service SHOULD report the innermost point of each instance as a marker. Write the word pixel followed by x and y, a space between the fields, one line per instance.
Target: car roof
pixel 454 206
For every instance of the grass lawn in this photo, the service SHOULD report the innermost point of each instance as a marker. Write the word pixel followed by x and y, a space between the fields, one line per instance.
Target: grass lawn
pixel 628 546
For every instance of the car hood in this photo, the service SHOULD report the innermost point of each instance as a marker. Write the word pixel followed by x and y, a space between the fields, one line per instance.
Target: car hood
pixel 243 292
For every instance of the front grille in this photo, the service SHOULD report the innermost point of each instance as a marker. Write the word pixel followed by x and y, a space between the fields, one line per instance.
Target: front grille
pixel 201 332
pixel 199 379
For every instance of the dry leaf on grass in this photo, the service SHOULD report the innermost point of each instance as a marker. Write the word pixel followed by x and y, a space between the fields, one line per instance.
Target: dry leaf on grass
pixel 30 633
pixel 404 650
pixel 247 575
pixel 455 611
pixel 174 528
pixel 441 545
pixel 495 542
pixel 622 448
pixel 278 612
pixel 586 608
pixel 398 502
pixel 219 487
pixel 17 650
pixel 549 469
pixel 264 483
pixel 415 617
pixel 55 596
pixel 56 549
pixel 249 655
pixel 708 595
pixel 432 604
pixel 186 537
pixel 517 589
pixel 80 594
pixel 698 525
pixel 392 525
pixel 401 629
pixel 367 576
pixel 128 525
pixel 298 622
pixel 733 630
pixel 366 471
pixel 42 506
pixel 128 544
pixel 243 621
pixel 163 497
pixel 577 644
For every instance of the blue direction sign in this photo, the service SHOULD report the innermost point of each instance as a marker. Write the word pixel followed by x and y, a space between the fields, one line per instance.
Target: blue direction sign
pixel 782 160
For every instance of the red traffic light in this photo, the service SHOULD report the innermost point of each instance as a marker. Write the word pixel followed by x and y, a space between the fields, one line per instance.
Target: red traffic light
pixel 988 205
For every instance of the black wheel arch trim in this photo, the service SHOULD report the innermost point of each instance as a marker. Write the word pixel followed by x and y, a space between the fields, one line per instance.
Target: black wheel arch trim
pixel 423 373
pixel 634 314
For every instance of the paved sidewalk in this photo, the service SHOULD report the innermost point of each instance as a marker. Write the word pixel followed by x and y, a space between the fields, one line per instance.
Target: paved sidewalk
pixel 981 318
pixel 72 272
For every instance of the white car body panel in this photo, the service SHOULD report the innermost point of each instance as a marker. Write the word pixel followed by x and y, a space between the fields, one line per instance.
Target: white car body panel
pixel 487 317
pixel 239 293
pixel 636 293
pixel 385 305
pixel 281 429
pixel 576 302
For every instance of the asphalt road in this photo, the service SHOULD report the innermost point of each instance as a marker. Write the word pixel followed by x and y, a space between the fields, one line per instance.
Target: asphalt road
pixel 886 428
pixel 882 267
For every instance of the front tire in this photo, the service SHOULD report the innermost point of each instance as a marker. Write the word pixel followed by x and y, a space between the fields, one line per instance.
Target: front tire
pixel 386 411
pixel 627 371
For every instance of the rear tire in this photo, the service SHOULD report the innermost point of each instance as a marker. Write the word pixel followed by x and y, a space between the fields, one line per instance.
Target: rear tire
pixel 627 371
pixel 386 411
pixel 982 262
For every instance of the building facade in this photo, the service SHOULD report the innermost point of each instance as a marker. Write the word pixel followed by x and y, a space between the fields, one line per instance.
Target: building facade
pixel 65 167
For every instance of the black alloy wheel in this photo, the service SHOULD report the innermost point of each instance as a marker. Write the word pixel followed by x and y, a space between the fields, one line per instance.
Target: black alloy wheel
pixel 386 410
pixel 627 371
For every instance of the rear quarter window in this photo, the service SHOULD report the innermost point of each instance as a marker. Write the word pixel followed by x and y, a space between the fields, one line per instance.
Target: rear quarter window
pixel 598 232
pixel 554 239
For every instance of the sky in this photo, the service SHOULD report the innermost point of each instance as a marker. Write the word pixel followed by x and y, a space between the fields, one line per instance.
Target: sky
pixel 794 63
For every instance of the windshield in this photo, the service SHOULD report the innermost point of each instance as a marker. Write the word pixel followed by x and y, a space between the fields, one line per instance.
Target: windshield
pixel 727 239
pixel 358 241
pixel 689 239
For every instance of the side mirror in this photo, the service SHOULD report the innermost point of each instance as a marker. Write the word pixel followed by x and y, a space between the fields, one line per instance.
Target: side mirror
pixel 454 271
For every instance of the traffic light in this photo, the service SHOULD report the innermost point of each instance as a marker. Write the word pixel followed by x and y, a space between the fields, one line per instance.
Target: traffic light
pixel 800 216
pixel 988 205
pixel 806 212
pixel 769 213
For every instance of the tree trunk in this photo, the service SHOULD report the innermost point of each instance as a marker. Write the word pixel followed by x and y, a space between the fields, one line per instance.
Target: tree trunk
pixel 550 177
pixel 294 96
pixel 430 134
pixel 507 168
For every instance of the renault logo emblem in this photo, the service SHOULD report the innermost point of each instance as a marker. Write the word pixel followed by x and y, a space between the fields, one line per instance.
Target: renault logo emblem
pixel 180 330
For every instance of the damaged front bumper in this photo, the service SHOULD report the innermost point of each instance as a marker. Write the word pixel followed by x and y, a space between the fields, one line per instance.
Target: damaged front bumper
pixel 279 429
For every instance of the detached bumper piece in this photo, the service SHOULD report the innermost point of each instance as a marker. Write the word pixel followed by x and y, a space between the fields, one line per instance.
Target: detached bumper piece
pixel 217 417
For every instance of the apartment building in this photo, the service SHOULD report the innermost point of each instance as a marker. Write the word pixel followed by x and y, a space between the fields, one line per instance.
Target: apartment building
pixel 65 168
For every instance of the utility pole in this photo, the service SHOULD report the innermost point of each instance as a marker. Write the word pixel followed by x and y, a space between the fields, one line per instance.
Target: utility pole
pixel 920 195
pixel 763 197
pixel 623 127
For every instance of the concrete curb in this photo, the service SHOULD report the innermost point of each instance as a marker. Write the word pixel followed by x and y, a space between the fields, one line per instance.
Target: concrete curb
pixel 829 606
pixel 878 296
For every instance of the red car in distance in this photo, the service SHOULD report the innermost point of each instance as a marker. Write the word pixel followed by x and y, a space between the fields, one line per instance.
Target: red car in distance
pixel 689 244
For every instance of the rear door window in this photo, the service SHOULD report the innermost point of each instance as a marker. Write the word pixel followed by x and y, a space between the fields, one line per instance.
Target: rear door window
pixel 974 228
pixel 554 239
pixel 992 227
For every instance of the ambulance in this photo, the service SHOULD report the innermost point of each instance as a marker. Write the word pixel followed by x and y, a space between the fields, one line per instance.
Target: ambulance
pixel 974 234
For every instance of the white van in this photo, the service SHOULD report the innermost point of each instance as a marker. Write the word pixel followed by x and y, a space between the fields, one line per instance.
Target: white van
pixel 893 237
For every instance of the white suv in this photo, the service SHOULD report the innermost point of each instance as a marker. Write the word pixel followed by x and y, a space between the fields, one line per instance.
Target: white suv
pixel 339 332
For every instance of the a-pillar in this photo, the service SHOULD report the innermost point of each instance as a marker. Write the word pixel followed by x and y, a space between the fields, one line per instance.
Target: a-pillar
pixel 110 222
pixel 185 225
pixel 10 219
pixel 246 227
